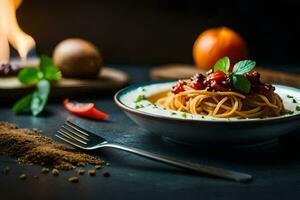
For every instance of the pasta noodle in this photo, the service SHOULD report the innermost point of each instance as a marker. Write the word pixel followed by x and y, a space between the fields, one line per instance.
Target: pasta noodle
pixel 223 104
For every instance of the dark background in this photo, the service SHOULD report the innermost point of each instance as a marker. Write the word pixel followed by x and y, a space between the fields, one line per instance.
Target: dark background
pixel 163 31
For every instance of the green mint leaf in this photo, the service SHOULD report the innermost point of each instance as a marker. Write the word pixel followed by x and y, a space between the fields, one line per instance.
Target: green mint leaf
pixel 22 104
pixel 297 108
pixel 40 97
pixel 241 83
pixel 50 71
pixel 141 97
pixel 289 96
pixel 222 65
pixel 243 67
pixel 184 115
pixel 294 101
pixel 29 76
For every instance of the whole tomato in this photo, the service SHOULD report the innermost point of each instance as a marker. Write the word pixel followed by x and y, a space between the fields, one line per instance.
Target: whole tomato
pixel 216 43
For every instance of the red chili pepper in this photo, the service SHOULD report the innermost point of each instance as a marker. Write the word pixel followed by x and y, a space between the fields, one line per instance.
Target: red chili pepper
pixel 218 87
pixel 217 76
pixel 85 110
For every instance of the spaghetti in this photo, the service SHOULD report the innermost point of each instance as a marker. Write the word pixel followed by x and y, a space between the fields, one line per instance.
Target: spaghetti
pixel 223 104
pixel 225 92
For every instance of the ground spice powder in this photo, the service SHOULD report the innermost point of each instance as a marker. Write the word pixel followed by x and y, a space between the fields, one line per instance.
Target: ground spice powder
pixel 28 146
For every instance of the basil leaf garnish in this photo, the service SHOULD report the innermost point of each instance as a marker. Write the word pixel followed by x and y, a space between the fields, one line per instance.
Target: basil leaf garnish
pixel 241 83
pixel 222 65
pixel 243 67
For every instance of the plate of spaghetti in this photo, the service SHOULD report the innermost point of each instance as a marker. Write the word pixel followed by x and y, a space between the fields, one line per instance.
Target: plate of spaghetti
pixel 228 106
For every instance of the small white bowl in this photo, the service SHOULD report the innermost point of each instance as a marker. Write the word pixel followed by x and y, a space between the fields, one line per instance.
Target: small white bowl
pixel 207 131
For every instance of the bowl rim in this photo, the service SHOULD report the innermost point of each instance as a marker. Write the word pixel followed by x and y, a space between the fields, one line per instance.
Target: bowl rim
pixel 158 116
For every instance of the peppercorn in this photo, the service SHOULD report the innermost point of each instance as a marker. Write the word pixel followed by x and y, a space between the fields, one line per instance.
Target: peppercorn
pixel 106 174
pixel 23 176
pixel 45 170
pixel 73 179
pixel 55 172
pixel 91 172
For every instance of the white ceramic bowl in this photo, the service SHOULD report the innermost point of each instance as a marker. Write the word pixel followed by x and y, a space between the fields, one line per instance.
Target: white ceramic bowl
pixel 207 131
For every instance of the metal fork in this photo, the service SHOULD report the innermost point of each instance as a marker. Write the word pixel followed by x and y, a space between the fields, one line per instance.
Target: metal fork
pixel 83 139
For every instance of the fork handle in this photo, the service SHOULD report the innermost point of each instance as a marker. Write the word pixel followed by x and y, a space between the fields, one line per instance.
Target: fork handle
pixel 204 169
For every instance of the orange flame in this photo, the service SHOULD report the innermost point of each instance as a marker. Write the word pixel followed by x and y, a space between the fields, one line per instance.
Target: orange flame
pixel 11 32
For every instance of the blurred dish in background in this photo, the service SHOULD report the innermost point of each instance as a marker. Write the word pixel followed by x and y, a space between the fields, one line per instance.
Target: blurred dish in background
pixel 108 81
pixel 215 43
pixel 82 68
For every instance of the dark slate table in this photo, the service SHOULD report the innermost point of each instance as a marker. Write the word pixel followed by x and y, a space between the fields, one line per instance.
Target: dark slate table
pixel 276 168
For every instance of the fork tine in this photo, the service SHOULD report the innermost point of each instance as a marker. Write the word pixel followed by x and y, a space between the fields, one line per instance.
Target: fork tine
pixel 69 129
pixel 68 140
pixel 71 136
pixel 77 128
pixel 61 133
pixel 66 136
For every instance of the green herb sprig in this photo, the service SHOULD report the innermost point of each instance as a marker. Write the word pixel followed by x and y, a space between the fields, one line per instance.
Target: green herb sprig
pixel 239 81
pixel 41 78
pixel 140 98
